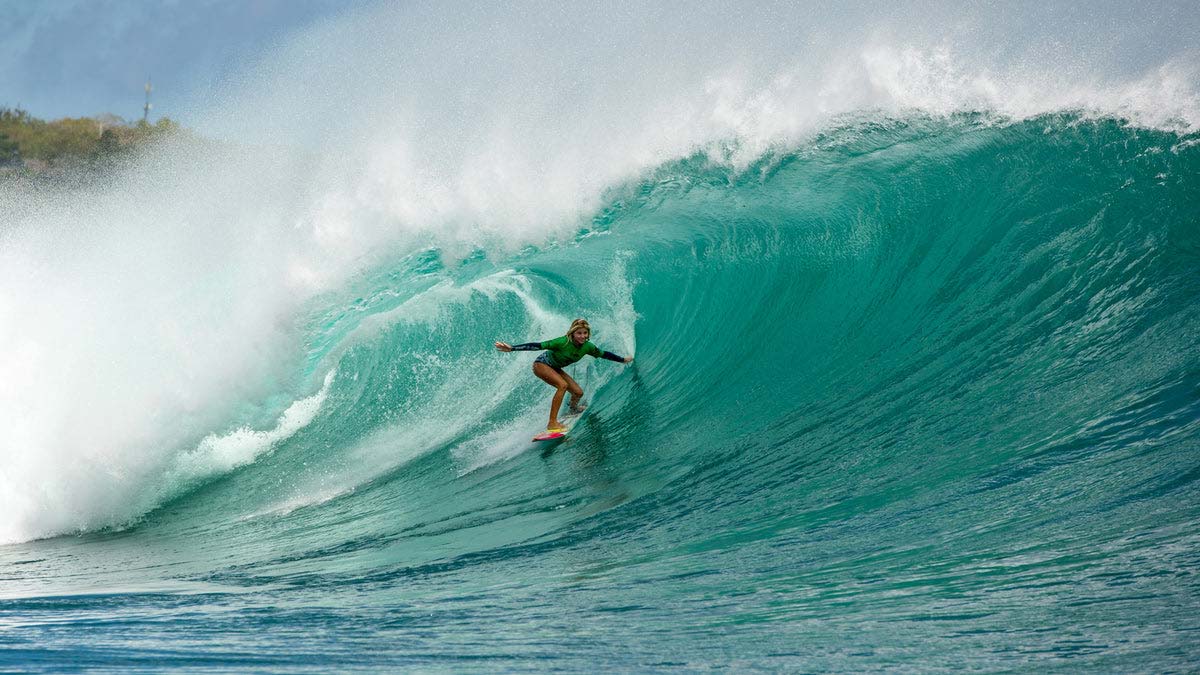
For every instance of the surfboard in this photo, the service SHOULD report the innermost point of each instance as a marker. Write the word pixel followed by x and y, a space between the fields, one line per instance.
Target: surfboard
pixel 568 422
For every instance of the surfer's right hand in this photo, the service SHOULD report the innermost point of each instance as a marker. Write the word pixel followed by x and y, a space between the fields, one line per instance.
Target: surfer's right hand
pixel 504 346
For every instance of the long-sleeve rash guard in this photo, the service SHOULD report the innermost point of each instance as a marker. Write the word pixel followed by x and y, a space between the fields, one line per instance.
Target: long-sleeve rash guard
pixel 564 351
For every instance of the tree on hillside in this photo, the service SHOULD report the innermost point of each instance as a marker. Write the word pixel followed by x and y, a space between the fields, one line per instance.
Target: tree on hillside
pixel 10 152
pixel 14 116
pixel 110 142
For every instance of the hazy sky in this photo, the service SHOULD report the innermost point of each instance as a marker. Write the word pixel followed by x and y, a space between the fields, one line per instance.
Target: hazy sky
pixel 62 58
pixel 71 58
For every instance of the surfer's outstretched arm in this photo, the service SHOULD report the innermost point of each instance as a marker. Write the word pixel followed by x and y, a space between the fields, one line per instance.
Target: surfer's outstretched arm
pixel 619 359
pixel 596 352
pixel 526 347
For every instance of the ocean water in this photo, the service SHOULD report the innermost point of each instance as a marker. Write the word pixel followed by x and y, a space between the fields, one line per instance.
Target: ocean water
pixel 914 389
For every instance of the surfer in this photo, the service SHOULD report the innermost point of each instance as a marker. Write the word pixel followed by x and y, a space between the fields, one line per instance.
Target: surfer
pixel 559 353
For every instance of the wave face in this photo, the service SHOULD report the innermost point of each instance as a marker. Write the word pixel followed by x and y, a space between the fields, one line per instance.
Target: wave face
pixel 920 393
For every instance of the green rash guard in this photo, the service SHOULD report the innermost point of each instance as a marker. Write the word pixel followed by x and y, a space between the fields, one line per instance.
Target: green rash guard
pixel 562 351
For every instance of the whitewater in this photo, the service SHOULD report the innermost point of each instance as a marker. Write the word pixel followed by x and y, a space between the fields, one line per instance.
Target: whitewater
pixel 914 311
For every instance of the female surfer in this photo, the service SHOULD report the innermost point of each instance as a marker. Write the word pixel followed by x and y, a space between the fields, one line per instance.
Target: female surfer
pixel 562 352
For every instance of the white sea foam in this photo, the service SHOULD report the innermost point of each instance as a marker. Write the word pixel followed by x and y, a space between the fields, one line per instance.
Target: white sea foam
pixel 218 454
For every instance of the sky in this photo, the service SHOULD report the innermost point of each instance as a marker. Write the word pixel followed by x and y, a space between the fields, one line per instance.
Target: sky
pixel 75 58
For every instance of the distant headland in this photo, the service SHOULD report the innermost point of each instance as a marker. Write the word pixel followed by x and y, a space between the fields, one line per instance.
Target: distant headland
pixel 32 147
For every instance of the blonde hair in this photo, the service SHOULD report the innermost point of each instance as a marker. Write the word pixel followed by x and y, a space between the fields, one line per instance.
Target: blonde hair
pixel 577 324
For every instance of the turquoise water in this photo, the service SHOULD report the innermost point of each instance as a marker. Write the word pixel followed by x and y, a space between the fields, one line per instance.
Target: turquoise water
pixel 917 394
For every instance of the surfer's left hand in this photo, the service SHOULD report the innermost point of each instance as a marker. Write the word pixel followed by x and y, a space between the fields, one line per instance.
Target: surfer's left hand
pixel 628 359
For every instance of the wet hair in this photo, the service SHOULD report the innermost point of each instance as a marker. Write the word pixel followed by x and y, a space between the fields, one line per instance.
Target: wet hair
pixel 577 324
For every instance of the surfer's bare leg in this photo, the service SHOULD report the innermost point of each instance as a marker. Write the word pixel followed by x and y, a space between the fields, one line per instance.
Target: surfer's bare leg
pixel 554 379
pixel 576 393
